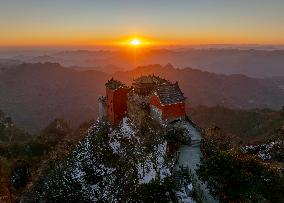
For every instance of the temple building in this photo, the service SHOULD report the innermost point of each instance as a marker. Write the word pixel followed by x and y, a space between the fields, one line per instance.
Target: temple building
pixel 149 96
pixel 114 105
pixel 167 103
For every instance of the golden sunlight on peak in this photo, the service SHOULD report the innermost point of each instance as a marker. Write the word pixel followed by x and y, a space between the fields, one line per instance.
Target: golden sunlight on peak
pixel 135 42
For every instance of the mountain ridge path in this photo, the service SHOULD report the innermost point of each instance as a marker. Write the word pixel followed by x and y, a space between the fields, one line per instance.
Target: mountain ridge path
pixel 190 156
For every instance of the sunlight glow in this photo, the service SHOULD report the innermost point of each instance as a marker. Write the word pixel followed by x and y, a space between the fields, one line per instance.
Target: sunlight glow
pixel 135 42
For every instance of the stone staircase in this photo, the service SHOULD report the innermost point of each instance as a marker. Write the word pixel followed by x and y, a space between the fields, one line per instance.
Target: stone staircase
pixel 195 143
pixel 178 177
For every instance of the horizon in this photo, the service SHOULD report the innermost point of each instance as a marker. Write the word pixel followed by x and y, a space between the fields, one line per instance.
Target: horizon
pixel 15 52
pixel 152 47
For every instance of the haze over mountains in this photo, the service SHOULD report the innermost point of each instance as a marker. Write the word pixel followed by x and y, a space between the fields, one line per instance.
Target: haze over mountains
pixel 35 94
pixel 250 62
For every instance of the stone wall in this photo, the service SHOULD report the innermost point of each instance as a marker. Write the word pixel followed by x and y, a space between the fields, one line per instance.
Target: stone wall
pixel 137 111
pixel 102 107
pixel 156 113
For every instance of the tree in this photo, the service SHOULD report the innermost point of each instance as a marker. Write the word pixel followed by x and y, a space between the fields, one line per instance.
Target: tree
pixel 20 174
pixel 237 177
pixel 282 112
pixel 215 140
pixel 155 191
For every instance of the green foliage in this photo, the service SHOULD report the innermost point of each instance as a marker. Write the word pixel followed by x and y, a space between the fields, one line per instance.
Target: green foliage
pixel 215 141
pixel 20 174
pixel 155 191
pixel 24 150
pixel 9 133
pixel 62 187
pixel 277 152
pixel 101 146
pixel 178 136
pixel 235 177
pixel 282 112
pixel 37 152
pixel 246 125
pixel 58 127
pixel 94 171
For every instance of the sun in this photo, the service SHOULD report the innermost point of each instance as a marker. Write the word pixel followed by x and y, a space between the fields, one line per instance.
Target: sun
pixel 135 42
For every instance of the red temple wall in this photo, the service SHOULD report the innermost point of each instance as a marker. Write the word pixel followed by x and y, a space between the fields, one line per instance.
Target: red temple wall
pixel 116 104
pixel 109 104
pixel 174 111
pixel 169 111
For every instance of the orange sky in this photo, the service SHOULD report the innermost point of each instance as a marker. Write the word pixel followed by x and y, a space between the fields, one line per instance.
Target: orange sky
pixel 186 22
pixel 42 40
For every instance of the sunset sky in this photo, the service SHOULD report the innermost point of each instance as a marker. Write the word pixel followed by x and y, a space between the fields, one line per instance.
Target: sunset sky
pixel 105 22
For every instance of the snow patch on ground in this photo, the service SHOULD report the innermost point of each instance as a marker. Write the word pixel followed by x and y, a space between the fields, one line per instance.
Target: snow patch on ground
pixel 98 178
pixel 183 197
pixel 262 151
pixel 183 194
pixel 126 130
pixel 127 127
pixel 154 166
pixel 83 156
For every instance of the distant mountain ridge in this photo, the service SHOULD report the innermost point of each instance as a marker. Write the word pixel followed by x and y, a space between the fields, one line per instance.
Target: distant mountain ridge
pixel 35 94
pixel 250 62
pixel 201 87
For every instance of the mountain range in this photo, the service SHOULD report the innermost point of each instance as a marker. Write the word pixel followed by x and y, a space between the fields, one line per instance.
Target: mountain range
pixel 35 94
pixel 250 62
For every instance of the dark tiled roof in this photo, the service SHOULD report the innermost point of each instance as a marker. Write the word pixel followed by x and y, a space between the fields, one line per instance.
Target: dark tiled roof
pixel 150 79
pixel 144 79
pixel 167 92
pixel 113 84
pixel 170 93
